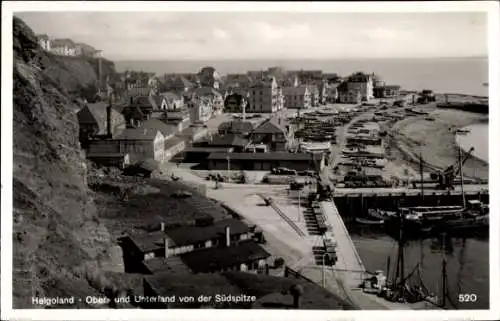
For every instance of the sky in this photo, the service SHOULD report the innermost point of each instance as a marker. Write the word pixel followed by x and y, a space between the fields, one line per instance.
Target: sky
pixel 268 35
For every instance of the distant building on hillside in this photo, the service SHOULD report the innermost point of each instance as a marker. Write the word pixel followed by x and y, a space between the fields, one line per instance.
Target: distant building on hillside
pixel 63 47
pixel 44 42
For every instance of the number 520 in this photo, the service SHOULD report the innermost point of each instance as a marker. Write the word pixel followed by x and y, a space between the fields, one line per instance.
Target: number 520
pixel 467 297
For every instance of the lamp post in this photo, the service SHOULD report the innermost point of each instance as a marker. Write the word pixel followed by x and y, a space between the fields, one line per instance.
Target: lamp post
pixel 228 165
pixel 324 279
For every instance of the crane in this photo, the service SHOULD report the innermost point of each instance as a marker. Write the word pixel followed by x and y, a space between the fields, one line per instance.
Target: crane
pixel 446 178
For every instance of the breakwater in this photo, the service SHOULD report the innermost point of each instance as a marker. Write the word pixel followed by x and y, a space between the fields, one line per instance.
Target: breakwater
pixel 358 205
pixel 470 107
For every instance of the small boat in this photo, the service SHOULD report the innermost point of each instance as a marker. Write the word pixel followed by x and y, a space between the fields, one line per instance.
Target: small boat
pixel 369 222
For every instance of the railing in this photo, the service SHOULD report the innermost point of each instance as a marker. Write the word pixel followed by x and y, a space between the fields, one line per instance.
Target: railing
pixel 285 217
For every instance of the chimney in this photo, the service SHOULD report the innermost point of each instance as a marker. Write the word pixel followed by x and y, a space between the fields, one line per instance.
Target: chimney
pixel 165 241
pixel 108 121
pixel 228 236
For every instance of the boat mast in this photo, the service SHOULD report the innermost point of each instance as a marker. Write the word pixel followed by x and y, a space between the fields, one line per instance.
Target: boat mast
pixel 461 175
pixel 444 281
pixel 401 261
pixel 421 176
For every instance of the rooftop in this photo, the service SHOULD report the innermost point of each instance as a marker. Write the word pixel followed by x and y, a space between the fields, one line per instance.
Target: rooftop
pixel 158 125
pixel 270 126
pixel 236 126
pixel 218 258
pixel 138 134
pixel 228 140
pixel 172 264
pixel 192 234
pixel 263 156
pixel 301 90
pixel 173 141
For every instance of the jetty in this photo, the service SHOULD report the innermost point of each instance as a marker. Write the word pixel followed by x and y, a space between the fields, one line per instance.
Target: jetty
pixel 349 270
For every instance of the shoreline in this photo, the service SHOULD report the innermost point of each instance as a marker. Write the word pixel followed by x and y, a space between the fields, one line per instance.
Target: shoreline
pixel 478 159
pixel 439 149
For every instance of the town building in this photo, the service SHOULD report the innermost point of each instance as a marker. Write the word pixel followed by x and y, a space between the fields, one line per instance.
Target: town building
pixel 237 80
pixel 201 109
pixel 233 141
pixel 216 98
pixel 332 93
pixel 240 127
pixel 63 47
pixel 363 83
pixel 322 86
pixel 118 160
pixel 246 256
pixel 315 95
pixel 166 242
pixel 386 91
pixel 85 50
pixel 348 95
pixel 178 84
pixel 235 103
pixel 266 161
pixel 44 42
pixel 209 77
pixel 274 133
pixel 142 143
pixel 265 96
pixel 99 120
pixel 297 97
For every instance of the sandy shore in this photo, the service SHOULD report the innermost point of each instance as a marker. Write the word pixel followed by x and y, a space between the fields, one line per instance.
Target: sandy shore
pixel 436 142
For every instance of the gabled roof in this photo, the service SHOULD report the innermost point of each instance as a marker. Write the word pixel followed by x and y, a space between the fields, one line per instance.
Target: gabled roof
pixel 219 258
pixel 42 36
pixel 138 134
pixel 190 235
pixel 301 90
pixel 94 114
pixel 63 42
pixel 155 124
pixel 229 140
pixel 270 126
pixel 85 47
pixel 236 126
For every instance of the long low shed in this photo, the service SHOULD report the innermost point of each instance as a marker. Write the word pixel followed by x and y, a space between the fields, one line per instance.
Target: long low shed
pixel 266 161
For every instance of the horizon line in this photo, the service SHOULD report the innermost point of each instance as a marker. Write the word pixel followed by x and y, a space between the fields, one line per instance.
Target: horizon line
pixel 292 59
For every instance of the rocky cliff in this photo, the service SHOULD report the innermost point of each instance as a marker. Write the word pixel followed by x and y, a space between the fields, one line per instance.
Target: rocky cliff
pixel 58 241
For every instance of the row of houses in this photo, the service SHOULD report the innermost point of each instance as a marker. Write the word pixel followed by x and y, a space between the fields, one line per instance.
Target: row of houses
pixel 67 47
pixel 266 91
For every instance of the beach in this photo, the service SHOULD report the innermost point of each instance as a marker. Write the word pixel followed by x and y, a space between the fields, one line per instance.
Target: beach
pixel 437 143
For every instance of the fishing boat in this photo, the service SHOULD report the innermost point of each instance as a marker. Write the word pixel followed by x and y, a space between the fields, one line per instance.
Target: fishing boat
pixel 365 221
pixel 380 214
pixel 405 287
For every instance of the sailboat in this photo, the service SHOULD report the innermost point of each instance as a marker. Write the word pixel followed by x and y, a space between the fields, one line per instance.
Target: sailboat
pixel 406 287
